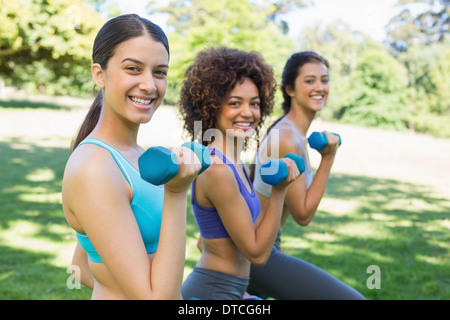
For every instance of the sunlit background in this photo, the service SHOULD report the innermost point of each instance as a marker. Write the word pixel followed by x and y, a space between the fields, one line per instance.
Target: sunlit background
pixel 388 198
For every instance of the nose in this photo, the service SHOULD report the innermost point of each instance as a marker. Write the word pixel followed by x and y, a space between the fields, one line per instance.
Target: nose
pixel 246 110
pixel 147 83
pixel 319 86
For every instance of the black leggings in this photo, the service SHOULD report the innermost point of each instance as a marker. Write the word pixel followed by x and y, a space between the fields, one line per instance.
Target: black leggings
pixel 208 284
pixel 288 278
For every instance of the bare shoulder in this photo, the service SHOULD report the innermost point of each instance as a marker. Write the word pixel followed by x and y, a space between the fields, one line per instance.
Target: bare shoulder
pixel 217 172
pixel 88 162
pixel 217 180
pixel 90 173
pixel 281 143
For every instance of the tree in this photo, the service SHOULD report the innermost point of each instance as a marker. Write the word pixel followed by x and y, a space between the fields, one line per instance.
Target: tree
pixel 281 7
pixel 419 38
pixel 429 25
pixel 429 87
pixel 378 92
pixel 47 44
pixel 198 24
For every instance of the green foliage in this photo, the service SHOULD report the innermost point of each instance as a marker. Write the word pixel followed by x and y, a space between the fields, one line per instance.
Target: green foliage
pixel 429 87
pixel 242 24
pixel 47 44
pixel 432 124
pixel 440 75
pixel 420 22
pixel 377 88
pixel 357 94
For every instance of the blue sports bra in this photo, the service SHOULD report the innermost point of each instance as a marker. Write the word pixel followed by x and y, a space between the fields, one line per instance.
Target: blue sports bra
pixel 147 204
pixel 208 219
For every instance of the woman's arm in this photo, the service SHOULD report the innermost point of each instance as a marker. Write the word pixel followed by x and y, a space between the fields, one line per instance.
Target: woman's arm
pixel 168 264
pixel 255 242
pixel 102 207
pixel 301 202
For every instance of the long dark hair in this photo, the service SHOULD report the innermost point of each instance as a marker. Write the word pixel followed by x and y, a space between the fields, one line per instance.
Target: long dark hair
pixel 290 73
pixel 113 33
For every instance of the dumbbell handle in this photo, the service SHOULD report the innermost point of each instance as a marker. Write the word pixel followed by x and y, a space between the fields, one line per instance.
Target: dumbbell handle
pixel 275 171
pixel 158 165
pixel 318 140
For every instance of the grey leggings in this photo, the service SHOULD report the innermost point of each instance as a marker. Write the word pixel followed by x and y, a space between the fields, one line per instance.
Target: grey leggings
pixel 288 278
pixel 208 284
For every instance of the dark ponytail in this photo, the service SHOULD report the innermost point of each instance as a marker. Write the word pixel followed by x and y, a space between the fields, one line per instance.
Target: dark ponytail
pixel 89 122
pixel 112 34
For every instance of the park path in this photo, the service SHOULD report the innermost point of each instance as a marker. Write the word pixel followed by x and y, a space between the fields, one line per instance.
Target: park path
pixel 405 156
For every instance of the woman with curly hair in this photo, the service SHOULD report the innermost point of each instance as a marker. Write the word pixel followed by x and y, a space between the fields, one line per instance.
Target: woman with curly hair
pixel 229 92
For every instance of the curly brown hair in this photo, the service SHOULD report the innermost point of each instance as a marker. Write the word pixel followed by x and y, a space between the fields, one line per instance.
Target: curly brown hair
pixel 210 79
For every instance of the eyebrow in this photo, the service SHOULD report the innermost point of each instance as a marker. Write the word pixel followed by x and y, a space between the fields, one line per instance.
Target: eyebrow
pixel 132 60
pixel 313 76
pixel 141 63
pixel 240 98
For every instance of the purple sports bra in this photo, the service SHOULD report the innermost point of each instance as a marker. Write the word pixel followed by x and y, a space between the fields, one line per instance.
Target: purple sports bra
pixel 208 219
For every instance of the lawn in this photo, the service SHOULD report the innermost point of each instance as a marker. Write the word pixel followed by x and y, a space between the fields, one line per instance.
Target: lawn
pixel 364 220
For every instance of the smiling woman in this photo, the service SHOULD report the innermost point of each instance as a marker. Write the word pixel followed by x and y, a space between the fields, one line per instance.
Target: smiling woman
pixel 141 77
pixel 305 90
pixel 131 234
pixel 237 121
pixel 136 67
pixel 229 91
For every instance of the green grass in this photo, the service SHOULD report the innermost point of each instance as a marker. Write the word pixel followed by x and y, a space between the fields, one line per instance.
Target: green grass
pixel 35 241
pixel 400 227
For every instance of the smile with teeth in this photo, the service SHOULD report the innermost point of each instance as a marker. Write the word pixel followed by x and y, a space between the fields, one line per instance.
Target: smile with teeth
pixel 141 101
pixel 317 97
pixel 243 125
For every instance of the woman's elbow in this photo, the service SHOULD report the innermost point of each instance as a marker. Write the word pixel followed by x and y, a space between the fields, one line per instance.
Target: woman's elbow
pixel 301 218
pixel 304 222
pixel 259 260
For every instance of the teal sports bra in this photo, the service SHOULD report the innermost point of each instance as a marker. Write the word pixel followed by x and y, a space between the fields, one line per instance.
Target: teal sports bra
pixel 147 204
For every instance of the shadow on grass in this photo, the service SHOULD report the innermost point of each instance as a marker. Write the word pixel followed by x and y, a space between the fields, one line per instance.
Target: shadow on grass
pixel 32 225
pixel 363 221
pixel 31 185
pixel 400 227
pixel 28 104
pixel 27 275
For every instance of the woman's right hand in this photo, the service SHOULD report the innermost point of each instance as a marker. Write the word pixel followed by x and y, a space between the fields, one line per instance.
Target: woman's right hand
pixel 188 167
pixel 293 173
pixel 332 146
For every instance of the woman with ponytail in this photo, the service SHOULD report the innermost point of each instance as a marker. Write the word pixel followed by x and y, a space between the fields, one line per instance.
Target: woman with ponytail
pixel 131 234
pixel 305 90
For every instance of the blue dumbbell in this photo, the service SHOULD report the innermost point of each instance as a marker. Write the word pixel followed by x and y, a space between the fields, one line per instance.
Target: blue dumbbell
pixel 274 171
pixel 158 165
pixel 318 140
